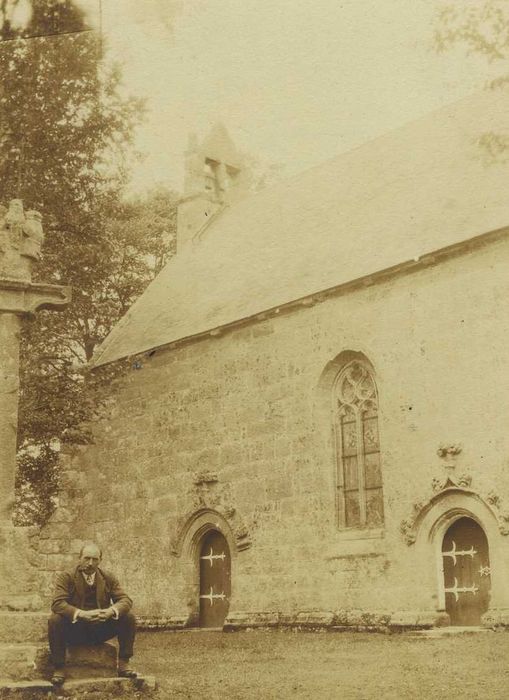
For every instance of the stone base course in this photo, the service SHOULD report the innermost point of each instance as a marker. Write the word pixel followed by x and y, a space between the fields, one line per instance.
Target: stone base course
pixel 23 662
pixel 169 622
pixel 333 621
pixel 242 620
pixel 342 620
pixel 86 689
pixel 496 618
pixel 408 620
pixel 23 627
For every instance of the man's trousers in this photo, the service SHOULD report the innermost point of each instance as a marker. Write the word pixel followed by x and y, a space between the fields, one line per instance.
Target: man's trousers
pixel 63 633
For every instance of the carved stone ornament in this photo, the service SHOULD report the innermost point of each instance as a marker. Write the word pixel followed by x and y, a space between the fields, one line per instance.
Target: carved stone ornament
pixel 21 239
pixel 452 482
pixel 459 480
pixel 407 529
pixel 208 495
pixel 493 499
pixel 502 515
pixel 33 236
pixel 449 453
pixel 445 451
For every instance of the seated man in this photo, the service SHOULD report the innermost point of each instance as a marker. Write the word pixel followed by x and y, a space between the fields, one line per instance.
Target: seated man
pixel 89 607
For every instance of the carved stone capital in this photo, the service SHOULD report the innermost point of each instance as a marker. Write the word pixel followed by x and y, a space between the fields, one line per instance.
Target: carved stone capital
pixel 24 297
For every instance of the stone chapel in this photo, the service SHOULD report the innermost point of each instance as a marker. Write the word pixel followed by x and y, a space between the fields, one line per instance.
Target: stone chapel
pixel 313 426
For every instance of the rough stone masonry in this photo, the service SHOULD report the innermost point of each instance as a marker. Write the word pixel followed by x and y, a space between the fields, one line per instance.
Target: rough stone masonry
pixel 317 378
pixel 234 432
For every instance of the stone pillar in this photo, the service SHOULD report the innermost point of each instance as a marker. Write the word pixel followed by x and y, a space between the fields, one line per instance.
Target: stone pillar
pixel 21 238
pixel 9 392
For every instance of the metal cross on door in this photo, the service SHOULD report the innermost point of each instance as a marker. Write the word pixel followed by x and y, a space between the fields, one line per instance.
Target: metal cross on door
pixel 215 580
pixel 466 572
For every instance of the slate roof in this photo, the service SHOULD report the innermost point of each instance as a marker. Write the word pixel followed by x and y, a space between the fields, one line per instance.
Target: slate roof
pixel 412 191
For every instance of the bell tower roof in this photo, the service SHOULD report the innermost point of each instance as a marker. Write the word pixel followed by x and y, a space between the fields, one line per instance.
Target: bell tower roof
pixel 218 146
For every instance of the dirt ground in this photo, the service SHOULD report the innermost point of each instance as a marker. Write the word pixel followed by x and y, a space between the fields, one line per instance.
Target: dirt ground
pixel 287 664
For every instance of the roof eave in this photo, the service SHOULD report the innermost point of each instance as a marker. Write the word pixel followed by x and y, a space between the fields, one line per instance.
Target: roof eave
pixel 401 268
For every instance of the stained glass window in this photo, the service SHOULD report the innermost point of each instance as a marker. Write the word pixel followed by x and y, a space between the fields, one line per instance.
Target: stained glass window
pixel 359 477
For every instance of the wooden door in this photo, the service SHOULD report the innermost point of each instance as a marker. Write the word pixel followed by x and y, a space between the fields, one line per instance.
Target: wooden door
pixel 466 572
pixel 215 580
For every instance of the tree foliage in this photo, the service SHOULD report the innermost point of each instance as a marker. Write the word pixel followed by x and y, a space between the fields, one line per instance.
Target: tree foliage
pixel 480 28
pixel 66 137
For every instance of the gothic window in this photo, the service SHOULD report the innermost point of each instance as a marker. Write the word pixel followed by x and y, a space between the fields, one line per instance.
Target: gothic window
pixel 359 477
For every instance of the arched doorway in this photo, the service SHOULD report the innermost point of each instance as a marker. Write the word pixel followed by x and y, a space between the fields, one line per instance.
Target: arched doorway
pixel 215 579
pixel 466 569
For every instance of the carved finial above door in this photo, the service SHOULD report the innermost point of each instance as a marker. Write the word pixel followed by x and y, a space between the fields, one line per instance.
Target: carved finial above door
pixel 449 453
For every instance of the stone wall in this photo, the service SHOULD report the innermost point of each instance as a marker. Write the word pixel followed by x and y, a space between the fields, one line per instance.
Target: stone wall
pixel 60 540
pixel 235 430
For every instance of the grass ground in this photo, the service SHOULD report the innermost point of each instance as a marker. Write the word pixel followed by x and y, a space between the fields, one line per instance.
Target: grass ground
pixel 285 664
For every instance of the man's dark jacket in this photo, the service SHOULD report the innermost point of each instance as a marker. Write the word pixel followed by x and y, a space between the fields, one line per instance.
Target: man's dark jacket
pixel 70 593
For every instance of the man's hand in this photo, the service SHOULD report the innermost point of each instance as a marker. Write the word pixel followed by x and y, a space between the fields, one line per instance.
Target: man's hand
pixel 106 614
pixel 90 615
pixel 96 616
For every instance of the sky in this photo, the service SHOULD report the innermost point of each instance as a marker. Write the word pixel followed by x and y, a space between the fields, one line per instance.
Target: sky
pixel 294 81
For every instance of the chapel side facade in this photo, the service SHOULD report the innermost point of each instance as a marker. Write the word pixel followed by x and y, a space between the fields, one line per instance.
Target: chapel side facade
pixel 256 433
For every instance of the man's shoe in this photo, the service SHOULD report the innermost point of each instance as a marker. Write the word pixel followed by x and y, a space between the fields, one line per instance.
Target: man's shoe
pixel 124 670
pixel 127 673
pixel 58 676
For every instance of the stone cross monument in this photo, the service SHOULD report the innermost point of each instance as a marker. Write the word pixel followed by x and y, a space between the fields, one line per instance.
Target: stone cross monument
pixel 21 238
pixel 24 657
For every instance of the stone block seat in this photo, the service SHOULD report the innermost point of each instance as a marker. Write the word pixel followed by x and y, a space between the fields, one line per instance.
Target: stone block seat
pixel 25 668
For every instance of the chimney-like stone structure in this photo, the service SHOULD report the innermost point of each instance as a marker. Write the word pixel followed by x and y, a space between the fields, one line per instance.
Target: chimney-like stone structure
pixel 215 177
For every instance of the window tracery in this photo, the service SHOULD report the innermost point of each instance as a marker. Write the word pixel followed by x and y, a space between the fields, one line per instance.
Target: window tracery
pixel 359 477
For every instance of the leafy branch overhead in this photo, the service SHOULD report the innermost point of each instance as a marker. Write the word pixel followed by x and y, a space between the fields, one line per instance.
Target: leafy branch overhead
pixel 481 28
pixel 66 139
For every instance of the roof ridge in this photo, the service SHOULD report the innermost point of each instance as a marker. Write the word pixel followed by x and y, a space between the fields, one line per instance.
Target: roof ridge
pixel 356 215
pixel 288 181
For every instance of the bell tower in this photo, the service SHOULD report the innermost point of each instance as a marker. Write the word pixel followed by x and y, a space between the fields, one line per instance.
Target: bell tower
pixel 215 177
